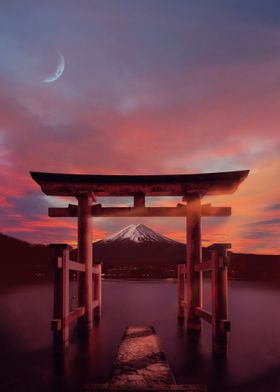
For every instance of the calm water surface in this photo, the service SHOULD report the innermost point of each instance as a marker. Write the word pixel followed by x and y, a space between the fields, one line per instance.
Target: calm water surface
pixel 28 362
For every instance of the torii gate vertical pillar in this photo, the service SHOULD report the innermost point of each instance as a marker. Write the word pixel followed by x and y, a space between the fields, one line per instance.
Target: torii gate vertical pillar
pixel 194 255
pixel 85 254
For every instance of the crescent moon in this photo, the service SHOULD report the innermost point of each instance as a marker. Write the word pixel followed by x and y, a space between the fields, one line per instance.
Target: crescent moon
pixel 59 70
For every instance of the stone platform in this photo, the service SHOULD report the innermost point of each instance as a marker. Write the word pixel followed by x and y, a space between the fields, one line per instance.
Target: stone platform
pixel 143 388
pixel 140 365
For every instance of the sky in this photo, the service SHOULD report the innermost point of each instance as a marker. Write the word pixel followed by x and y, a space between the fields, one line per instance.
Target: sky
pixel 149 87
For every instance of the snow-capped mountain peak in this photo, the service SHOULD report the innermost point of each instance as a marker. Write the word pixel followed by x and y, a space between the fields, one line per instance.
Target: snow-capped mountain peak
pixel 137 233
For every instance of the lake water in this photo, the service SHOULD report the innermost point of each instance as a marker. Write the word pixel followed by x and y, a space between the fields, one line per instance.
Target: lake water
pixel 28 362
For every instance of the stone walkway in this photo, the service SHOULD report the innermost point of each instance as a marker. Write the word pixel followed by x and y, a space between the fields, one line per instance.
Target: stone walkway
pixel 140 365
pixel 140 359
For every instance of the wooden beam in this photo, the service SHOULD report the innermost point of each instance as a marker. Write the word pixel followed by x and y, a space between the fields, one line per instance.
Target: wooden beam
pixel 208 210
pixel 58 184
pixel 94 304
pixel 219 298
pixel 139 200
pixel 70 212
pixel 180 211
pixel 194 257
pixel 203 314
pixel 57 262
pixel 77 313
pixel 225 325
pixel 220 246
pixel 205 266
pixel 56 325
pixel 85 254
pixel 72 316
pixel 181 290
pixel 74 266
pixel 95 269
pixel 57 304
pixel 97 290
pixel 61 293
pixel 65 296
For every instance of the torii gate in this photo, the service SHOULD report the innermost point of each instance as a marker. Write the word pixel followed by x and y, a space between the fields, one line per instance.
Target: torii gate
pixel 192 188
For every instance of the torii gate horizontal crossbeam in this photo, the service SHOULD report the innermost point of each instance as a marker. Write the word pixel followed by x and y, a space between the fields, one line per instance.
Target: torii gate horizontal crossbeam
pixel 98 211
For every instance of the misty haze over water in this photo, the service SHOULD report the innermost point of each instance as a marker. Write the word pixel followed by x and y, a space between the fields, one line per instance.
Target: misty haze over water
pixel 28 363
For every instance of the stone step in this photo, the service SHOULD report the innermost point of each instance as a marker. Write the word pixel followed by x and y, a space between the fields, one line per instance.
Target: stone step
pixel 145 388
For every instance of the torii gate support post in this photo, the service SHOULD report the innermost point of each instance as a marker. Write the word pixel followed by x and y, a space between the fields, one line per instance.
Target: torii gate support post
pixel 85 254
pixel 181 290
pixel 61 294
pixel 220 324
pixel 194 255
pixel 97 289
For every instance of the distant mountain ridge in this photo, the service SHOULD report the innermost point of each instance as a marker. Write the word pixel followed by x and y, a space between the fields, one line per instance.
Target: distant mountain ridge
pixel 135 246
pixel 23 262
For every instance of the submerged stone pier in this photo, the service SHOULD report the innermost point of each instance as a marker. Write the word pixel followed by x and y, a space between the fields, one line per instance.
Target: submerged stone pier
pixel 141 365
pixel 140 359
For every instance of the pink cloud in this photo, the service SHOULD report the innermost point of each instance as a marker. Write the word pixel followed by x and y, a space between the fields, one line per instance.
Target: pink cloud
pixel 209 119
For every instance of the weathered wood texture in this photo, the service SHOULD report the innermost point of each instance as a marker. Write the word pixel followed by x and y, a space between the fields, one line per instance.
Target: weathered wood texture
pixel 204 314
pixel 194 257
pixel 56 324
pixel 61 292
pixel 97 290
pixel 218 265
pixel 62 317
pixel 97 210
pixel 204 266
pixel 181 290
pixel 85 255
pixel 56 184
pixel 65 296
pixel 220 324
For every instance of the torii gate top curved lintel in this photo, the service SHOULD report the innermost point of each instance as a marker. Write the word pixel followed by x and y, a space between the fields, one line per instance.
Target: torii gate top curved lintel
pixel 150 185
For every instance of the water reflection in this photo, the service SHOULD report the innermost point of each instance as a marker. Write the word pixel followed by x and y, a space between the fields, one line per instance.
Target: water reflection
pixel 28 362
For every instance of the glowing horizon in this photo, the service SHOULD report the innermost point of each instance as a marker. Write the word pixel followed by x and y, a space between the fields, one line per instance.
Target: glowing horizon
pixel 148 88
